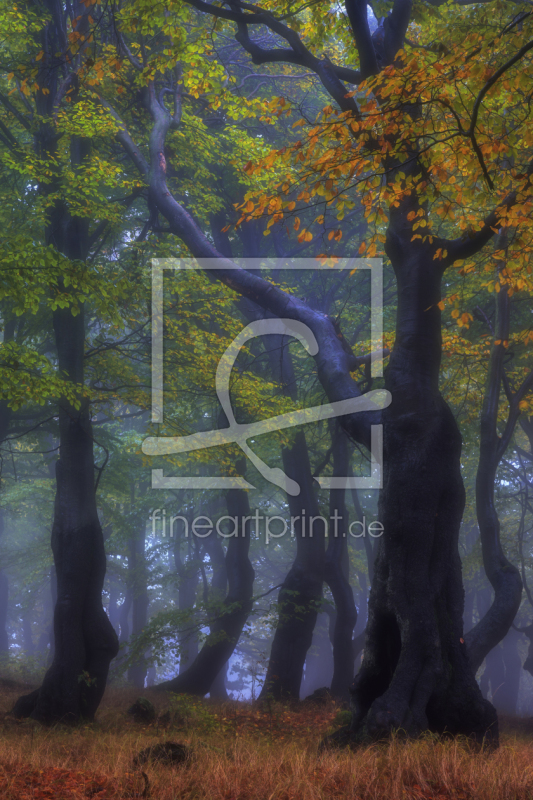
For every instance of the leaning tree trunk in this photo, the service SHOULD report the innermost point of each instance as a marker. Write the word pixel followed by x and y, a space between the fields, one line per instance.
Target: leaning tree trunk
pixel 225 631
pixel 300 596
pixel 503 576
pixel 85 642
pixel 415 673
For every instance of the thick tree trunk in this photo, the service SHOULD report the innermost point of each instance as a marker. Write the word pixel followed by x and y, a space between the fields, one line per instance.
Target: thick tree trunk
pixel 218 689
pixel 415 673
pixel 85 642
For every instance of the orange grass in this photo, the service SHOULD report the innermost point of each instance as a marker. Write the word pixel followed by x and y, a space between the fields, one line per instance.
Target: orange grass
pixel 247 753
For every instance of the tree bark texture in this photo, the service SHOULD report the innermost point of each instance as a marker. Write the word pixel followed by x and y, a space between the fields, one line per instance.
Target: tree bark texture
pixel 415 673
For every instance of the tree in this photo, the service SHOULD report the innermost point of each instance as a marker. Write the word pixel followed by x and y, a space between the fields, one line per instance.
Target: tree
pixel 393 135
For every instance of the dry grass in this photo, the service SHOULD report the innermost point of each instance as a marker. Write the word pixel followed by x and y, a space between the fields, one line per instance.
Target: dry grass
pixel 242 753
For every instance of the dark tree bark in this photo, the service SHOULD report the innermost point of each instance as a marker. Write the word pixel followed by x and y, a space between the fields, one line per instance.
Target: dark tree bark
pixel 113 609
pixel 503 576
pixel 85 642
pixel 140 601
pixel 187 572
pixel 5 418
pixel 502 672
pixel 27 635
pixel 300 596
pixel 4 597
pixel 47 636
pixel 415 673
pixel 337 573
pixel 124 615
pixel 319 658
pixel 4 592
pixel 226 629
pixel 218 689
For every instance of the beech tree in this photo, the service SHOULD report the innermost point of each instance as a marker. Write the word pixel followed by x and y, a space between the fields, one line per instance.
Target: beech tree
pixel 410 120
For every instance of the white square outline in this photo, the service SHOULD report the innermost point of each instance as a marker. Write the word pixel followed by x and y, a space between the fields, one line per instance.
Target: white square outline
pixel 375 480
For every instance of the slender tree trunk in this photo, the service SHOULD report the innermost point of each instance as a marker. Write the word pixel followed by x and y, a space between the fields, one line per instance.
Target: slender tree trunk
pixel 124 615
pixel 5 418
pixel 226 629
pixel 319 658
pixel 300 596
pixel 27 634
pixel 187 572
pixel 140 602
pixel 47 636
pixel 505 692
pixel 503 576
pixel 415 673
pixel 113 609
pixel 4 598
pixel 337 574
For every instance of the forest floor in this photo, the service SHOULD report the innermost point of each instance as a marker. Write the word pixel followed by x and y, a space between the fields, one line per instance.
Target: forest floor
pixel 244 752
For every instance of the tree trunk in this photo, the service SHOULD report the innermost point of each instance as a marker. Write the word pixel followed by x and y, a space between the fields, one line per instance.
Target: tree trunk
pixel 226 629
pixel 505 693
pixel 187 572
pixel 85 642
pixel 415 673
pixel 300 596
pixel 319 658
pixel 503 576
pixel 337 574
pixel 218 689
pixel 47 636
pixel 4 596
pixel 27 635
pixel 113 610
pixel 140 602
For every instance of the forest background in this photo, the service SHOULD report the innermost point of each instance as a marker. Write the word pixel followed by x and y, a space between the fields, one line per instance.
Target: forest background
pixel 242 117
